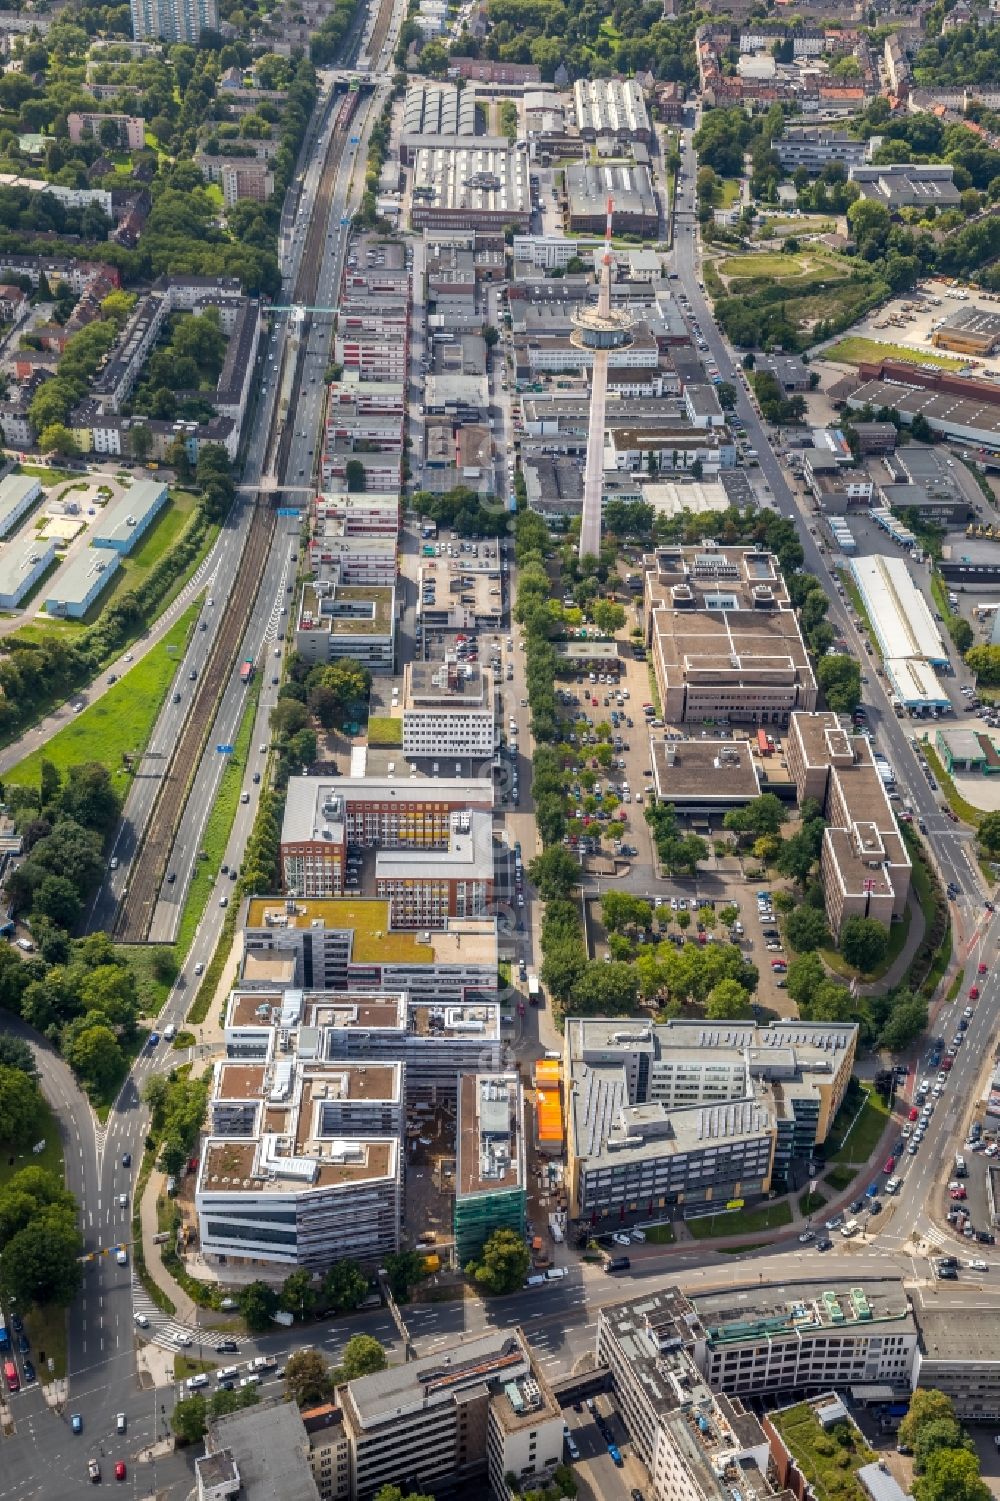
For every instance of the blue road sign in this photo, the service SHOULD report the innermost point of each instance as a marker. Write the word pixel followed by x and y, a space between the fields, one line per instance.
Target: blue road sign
pixel 224 750
pixel 289 511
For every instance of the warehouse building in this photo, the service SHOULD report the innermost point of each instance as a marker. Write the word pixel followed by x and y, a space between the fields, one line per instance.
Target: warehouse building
pixel 725 641
pixel 350 944
pixel 908 185
pixel 588 188
pixel 969 330
pixel 75 587
pixel 904 628
pixel 491 1168
pixel 864 864
pixel 434 1043
pixel 611 108
pixel 470 187
pixel 436 112
pixel 949 416
pixel 18 493
pixel 22 564
pixel 125 521
pixel 684 1116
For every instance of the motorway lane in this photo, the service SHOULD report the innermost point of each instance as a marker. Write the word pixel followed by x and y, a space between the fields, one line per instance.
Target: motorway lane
pixel 949 843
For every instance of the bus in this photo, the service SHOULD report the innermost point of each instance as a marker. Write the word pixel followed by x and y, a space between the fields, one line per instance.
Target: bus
pixel 534 990
pixel 10 1375
pixel 246 671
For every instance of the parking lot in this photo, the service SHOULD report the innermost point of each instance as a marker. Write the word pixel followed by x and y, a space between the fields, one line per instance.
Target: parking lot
pixel 595 1470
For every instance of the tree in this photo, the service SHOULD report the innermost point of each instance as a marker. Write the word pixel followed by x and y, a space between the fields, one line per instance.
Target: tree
pixel 606 990
pixel 951 1475
pixel 840 679
pixel 988 833
pixel 927 1405
pixel 806 930
pixel 393 1493
pixel 56 898
pixel 257 1304
pixel 863 943
pixel 941 1433
pixel 345 1287
pixel 608 617
pixel 307 1377
pixel 20 1107
pixel 623 912
pixel 762 815
pixel 728 1001
pixel 298 1295
pixel 58 438
pixel 140 441
pixel 362 1356
pixel 985 663
pixel 189 1419
pixel 404 1269
pixel 554 872
pixel 503 1265
pixel 16 1053
pixel 41 1263
pixel 95 1054
pixel 357 478
pixel 805 975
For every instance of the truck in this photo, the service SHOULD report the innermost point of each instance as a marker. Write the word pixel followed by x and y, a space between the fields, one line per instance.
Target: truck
pixel 534 991
pixel 247 671
pixel 556 1230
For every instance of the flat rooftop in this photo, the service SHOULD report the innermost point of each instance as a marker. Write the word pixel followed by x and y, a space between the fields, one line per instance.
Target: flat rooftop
pixel 732 647
pixel 470 940
pixel 490 1134
pixel 469 856
pixel 802 1308
pixel 705 770
pixel 492 1359
pixel 446 685
pixel 959 1334
pixel 315 803
pixel 260 1166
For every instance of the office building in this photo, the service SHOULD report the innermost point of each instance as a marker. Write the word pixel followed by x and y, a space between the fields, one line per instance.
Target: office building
pixel 82 581
pixel 325 815
pixel 425 887
pixel 342 620
pixel 958 1356
pixel 478 1410
pixel 174 20
pixel 806 1335
pixel 725 641
pixel 350 944
pixel 681 1116
pixel 18 493
pixel 864 864
pixel 697 1445
pixel 22 564
pixel 257 1454
pixel 815 149
pixel 448 710
pixel 127 520
pixel 490 1178
pixel 434 1042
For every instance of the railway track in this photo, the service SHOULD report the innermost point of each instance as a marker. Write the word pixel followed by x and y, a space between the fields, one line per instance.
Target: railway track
pixel 136 909
pixel 139 901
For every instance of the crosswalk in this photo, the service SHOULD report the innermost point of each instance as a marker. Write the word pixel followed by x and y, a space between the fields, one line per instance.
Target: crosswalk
pixel 162 1330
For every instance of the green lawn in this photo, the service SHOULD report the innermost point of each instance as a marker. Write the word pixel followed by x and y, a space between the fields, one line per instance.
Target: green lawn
pixel 121 721
pixel 742 1221
pixel 184 1367
pixel 809 1203
pixel 154 967
pixel 966 812
pixel 660 1235
pixel 51 1158
pixel 46 1324
pixel 218 827
pixel 861 1141
pixel 840 1178
pixel 802 266
pixel 854 348
pixel 898 932
pixel 830 1460
pixel 728 193
pixel 383 730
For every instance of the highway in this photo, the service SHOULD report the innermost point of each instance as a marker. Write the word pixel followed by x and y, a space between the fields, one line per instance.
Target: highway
pixel 42 1456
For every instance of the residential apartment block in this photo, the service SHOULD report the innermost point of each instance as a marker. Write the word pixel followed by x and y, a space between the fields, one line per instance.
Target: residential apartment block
pixel 434 1042
pixel 686 1114
pixel 814 149
pixel 491 1190
pixel 864 864
pixel 448 710
pixel 726 643
pixel 349 944
pixel 174 20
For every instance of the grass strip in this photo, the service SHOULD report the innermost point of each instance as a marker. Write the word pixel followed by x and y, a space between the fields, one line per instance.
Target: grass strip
pixel 736 1221
pixel 956 802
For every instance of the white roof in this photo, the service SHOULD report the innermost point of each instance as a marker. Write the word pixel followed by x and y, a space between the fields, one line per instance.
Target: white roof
pixel 898 612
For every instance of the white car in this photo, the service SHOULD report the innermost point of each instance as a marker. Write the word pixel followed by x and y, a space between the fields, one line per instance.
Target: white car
pixel 141 1321
pixel 621 1240
pixel 978 1265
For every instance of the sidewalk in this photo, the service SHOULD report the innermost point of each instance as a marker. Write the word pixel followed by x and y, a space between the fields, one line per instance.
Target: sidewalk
pixel 187 1310
pixel 903 962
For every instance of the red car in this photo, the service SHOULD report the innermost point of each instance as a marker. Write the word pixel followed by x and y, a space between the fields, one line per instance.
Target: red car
pixel 973 992
pixel 946 1064
pixel 890 1163
pixel 982 969
pixel 914 1114
pixel 958 1193
pixel 120 1470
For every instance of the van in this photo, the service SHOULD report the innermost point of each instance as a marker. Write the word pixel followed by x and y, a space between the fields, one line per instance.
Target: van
pixel 537 1279
pixel 228 1373
pixel 893 1185
pixel 556 1273
pixel 850 1228
pixel 195 1382
pixel 169 1033
pixel 961 1171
